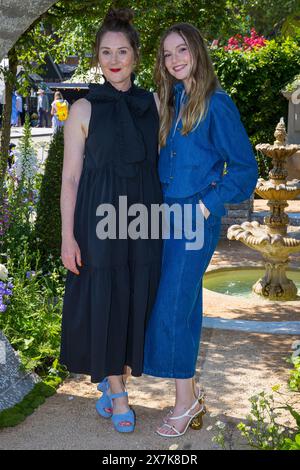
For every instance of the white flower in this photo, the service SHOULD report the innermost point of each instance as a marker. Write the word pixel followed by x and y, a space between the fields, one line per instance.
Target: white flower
pixel 3 272
pixel 32 217
pixel 209 428
pixel 26 163
pixel 220 425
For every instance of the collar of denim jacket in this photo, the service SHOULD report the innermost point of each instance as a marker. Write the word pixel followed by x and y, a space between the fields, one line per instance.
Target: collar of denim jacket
pixel 178 88
pixel 180 96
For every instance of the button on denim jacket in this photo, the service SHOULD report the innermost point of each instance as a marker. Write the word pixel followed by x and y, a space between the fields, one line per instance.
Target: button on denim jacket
pixel 194 163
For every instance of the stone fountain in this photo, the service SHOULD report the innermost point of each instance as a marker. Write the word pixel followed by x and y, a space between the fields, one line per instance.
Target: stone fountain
pixel 273 239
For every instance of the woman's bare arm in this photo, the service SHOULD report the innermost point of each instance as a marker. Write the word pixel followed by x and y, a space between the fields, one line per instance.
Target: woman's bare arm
pixel 75 132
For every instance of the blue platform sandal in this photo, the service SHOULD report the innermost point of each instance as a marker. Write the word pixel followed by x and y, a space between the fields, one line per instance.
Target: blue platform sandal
pixel 120 418
pixel 104 385
pixel 104 403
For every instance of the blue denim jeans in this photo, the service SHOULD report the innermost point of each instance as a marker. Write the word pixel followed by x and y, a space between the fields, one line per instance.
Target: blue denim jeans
pixel 174 328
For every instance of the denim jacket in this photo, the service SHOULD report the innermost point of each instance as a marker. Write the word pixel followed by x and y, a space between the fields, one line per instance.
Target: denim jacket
pixel 194 163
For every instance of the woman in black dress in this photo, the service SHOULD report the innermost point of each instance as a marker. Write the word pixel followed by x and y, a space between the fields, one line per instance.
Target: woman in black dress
pixel 111 151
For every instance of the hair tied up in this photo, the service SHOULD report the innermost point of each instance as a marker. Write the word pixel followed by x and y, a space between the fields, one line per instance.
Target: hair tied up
pixel 124 15
pixel 118 21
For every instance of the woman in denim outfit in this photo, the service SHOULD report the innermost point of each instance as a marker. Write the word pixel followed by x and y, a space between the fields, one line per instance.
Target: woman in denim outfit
pixel 200 131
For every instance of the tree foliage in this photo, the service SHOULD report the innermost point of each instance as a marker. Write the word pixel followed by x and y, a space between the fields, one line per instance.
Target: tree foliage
pixel 75 23
pixel 254 79
pixel 266 16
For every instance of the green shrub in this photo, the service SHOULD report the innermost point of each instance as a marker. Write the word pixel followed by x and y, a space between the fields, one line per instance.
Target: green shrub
pixel 262 429
pixel 294 380
pixel 32 320
pixel 48 222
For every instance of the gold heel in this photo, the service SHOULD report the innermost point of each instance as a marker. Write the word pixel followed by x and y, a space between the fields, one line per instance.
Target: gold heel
pixel 197 422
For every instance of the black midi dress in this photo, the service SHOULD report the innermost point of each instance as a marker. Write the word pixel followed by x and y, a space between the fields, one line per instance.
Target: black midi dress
pixel 107 306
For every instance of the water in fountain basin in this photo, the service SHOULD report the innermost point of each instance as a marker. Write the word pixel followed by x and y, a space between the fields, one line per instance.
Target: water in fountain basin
pixel 239 282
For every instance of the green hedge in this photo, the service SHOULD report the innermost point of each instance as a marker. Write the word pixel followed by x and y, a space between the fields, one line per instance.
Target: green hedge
pixel 48 222
pixel 254 80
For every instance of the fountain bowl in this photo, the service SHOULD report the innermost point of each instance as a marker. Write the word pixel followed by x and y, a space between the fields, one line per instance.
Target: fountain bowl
pixel 238 281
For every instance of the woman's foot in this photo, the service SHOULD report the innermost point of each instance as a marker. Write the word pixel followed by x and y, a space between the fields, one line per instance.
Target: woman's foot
pixel 123 422
pixel 180 424
pixel 198 393
pixel 189 401
pixel 120 404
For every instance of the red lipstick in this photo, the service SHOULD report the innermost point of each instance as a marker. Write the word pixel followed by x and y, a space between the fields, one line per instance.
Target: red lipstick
pixel 115 70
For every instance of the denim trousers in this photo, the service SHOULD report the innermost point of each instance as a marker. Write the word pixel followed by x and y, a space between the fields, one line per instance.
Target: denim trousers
pixel 174 328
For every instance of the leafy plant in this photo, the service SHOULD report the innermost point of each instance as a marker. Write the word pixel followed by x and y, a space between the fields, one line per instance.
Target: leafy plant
pixel 48 221
pixel 262 429
pixel 21 195
pixel 32 320
pixel 294 380
pixel 26 162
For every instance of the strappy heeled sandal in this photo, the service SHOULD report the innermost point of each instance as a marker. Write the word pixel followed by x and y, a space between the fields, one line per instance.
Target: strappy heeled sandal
pixel 200 397
pixel 104 385
pixel 195 421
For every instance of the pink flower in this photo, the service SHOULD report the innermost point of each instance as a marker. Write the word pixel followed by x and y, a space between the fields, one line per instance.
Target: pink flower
pixel 246 43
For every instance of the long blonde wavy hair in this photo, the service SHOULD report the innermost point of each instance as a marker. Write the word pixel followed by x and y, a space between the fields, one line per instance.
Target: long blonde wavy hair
pixel 203 82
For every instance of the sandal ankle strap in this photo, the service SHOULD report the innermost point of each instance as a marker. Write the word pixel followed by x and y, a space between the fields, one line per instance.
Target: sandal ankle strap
pixel 118 395
pixel 187 412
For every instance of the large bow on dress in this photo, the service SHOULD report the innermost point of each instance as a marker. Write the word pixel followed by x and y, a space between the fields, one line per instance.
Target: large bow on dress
pixel 128 106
